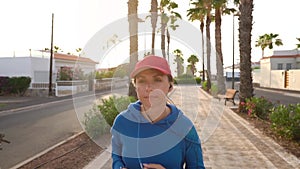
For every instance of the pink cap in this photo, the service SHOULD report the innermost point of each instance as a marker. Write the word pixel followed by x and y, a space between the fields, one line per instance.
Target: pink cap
pixel 151 62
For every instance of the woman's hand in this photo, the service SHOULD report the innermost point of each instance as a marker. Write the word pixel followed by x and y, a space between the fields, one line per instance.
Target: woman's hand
pixel 153 166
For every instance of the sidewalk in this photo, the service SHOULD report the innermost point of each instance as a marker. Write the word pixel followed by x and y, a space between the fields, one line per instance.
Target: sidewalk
pixel 228 141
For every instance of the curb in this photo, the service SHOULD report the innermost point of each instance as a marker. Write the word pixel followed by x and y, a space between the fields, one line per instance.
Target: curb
pixel 45 151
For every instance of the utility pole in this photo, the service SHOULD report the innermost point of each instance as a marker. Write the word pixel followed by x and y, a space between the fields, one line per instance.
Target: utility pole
pixel 50 93
pixel 232 52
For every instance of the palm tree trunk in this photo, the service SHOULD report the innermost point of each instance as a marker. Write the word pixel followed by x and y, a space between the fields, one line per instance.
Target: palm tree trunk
pixel 208 49
pixel 202 46
pixel 219 58
pixel 163 40
pixel 168 43
pixel 133 39
pixel 245 28
pixel 153 23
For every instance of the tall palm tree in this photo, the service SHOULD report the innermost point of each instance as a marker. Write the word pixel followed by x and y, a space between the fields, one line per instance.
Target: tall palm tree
pixel 245 28
pixel 173 18
pixel 198 13
pixel 219 6
pixel 208 6
pixel 267 40
pixel 133 39
pixel 154 16
pixel 193 59
pixel 166 6
pixel 179 61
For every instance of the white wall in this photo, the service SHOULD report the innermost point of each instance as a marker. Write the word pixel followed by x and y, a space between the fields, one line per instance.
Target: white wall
pixel 15 66
pixel 294 81
pixel 34 67
pixel 265 74
pixel 283 61
pixel 277 79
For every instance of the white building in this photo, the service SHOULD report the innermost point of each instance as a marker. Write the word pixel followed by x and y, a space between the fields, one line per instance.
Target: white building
pixel 37 67
pixel 281 70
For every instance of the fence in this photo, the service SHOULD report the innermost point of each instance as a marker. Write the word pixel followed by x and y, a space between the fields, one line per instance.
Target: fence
pixel 63 88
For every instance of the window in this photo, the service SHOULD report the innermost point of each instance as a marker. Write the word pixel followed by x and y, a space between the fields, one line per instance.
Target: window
pixel 288 66
pixel 279 66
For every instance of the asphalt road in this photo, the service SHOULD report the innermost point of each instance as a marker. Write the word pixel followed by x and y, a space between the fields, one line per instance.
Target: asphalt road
pixel 33 130
pixel 278 96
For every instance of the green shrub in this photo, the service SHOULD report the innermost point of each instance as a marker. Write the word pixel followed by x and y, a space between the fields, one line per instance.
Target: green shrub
pixel 19 85
pixel 286 121
pixel 198 80
pixel 258 107
pixel 94 123
pixel 204 85
pixel 4 87
pixel 187 79
pixel 112 106
pixel 214 90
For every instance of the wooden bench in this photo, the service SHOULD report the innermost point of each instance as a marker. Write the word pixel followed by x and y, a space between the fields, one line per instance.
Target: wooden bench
pixel 229 95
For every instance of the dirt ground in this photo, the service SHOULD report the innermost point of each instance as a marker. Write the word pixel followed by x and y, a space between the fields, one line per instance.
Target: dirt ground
pixel 74 154
pixel 78 152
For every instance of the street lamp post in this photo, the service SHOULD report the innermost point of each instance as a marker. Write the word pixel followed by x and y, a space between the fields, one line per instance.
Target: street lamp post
pixel 232 86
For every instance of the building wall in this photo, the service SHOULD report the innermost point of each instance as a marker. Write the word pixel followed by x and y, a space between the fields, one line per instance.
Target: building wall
pixel 265 73
pixel 284 62
pixel 294 81
pixel 15 66
pixel 277 79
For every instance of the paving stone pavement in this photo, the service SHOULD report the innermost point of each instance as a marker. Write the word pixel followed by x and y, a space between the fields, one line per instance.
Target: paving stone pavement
pixel 228 141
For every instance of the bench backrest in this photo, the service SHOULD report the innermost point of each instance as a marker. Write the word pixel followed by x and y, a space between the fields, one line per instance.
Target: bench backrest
pixel 230 93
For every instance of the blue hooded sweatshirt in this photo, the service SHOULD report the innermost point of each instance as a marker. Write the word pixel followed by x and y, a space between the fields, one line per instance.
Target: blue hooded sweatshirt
pixel 172 142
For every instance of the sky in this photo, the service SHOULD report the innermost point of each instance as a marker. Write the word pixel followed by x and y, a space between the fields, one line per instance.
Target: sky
pixel 27 25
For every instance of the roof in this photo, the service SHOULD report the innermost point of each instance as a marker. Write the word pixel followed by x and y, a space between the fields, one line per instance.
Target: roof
pixel 73 58
pixel 284 54
pixel 281 56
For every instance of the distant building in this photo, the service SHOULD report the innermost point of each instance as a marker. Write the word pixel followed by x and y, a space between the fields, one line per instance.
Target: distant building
pixel 281 70
pixel 282 60
pixel 37 67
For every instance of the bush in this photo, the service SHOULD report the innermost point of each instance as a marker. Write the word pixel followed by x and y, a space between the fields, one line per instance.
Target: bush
pixel 286 121
pixel 258 107
pixel 4 87
pixel 112 106
pixel 19 85
pixel 14 85
pixel 187 79
pixel 95 124
pixel 204 86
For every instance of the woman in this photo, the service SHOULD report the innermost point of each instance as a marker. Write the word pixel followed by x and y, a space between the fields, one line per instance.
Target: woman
pixel 152 133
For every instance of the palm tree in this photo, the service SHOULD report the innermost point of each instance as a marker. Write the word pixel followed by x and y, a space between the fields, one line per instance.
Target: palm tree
pixel 193 59
pixel 133 31
pixel 179 61
pixel 173 26
pixel 267 40
pixel 208 6
pixel 219 6
pixel 154 16
pixel 245 27
pixel 166 6
pixel 298 45
pixel 57 49
pixel 198 13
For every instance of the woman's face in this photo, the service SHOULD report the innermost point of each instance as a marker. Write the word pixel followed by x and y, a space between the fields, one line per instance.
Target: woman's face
pixel 149 80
